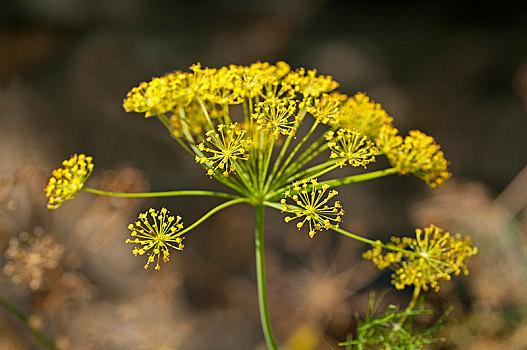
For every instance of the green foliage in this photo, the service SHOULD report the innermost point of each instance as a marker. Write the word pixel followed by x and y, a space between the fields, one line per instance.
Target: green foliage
pixel 393 329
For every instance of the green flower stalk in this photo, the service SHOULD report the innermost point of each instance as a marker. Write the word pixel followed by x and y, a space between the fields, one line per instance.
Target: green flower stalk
pixel 263 161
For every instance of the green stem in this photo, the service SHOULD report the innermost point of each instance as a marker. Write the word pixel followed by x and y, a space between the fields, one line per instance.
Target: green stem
pixel 206 113
pixel 376 243
pixel 267 161
pixel 44 341
pixel 282 153
pixel 302 176
pixel 361 177
pixel 311 152
pixel 212 212
pixel 326 166
pixel 260 277
pixel 411 305
pixel 226 114
pixel 165 121
pixel 161 194
pixel 278 206
pixel 290 157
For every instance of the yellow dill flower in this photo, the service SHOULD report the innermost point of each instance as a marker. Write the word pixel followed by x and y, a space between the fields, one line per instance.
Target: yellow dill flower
pixel 420 155
pixel 309 84
pixel 274 115
pixel 311 206
pixel 225 147
pixel 349 146
pixel 195 84
pixel 155 97
pixel 389 141
pixel 326 108
pixel 225 86
pixel 364 115
pixel 156 235
pixel 262 79
pixel 437 256
pixel 65 182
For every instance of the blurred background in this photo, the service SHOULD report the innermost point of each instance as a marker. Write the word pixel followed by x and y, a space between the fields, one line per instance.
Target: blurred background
pixel 65 66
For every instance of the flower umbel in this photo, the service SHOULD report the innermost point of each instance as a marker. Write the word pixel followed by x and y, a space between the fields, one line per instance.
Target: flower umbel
pixel 65 182
pixel 274 115
pixel 311 206
pixel 349 146
pixel 156 235
pixel 364 115
pixel 326 109
pixel 420 155
pixel 225 146
pixel 437 256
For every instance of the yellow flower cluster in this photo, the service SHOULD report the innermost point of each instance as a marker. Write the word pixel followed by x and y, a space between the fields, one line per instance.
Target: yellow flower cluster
pixel 417 154
pixel 432 256
pixel 309 84
pixel 227 85
pixel 156 235
pixel 276 99
pixel 275 115
pixel 326 108
pixel 349 146
pixel 225 147
pixel 364 115
pixel 65 182
pixel 311 206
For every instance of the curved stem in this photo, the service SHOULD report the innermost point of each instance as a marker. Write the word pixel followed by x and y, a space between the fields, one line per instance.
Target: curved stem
pixel 161 194
pixel 372 242
pixel 260 277
pixel 212 212
pixel 278 206
pixel 44 341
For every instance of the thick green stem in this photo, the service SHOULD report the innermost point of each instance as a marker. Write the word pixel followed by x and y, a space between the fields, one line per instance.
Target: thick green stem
pixel 161 194
pixel 260 277
pixel 42 339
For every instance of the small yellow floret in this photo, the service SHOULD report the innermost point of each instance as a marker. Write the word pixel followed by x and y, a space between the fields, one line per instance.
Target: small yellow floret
pixel 275 115
pixel 311 206
pixel 156 235
pixel 222 149
pixel 65 182
pixel 309 84
pixel 351 147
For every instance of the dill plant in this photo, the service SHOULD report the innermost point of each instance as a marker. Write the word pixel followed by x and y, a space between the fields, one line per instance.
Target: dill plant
pixel 264 162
